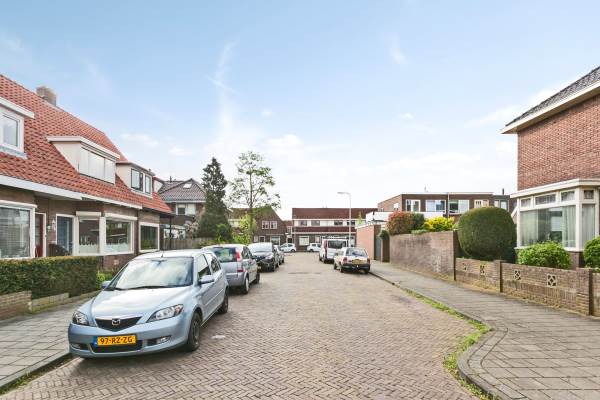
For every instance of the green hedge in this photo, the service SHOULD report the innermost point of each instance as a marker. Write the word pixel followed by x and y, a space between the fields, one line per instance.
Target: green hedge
pixel 487 233
pixel 591 253
pixel 547 254
pixel 49 276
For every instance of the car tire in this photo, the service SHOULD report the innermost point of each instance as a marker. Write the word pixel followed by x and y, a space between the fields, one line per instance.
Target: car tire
pixel 193 340
pixel 246 288
pixel 225 305
pixel 367 271
pixel 257 279
pixel 293 251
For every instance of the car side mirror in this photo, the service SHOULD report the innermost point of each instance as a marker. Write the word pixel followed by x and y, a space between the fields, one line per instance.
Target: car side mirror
pixel 105 284
pixel 206 279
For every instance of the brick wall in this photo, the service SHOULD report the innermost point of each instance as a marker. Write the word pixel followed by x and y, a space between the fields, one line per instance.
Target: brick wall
pixel 429 253
pixel 595 295
pixel 365 238
pixel 14 304
pixel 562 147
pixel 484 274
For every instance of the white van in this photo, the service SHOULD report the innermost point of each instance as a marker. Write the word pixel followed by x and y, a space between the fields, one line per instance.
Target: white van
pixel 329 247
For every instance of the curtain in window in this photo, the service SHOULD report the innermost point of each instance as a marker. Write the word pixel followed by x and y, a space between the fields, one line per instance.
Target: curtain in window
pixel 588 222
pixel 89 236
pixel 529 228
pixel 569 217
pixel 15 233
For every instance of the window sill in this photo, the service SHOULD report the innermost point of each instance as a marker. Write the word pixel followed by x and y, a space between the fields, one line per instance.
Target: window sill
pixel 13 151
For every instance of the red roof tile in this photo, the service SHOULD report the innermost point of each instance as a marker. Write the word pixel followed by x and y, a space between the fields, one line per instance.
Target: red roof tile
pixel 44 164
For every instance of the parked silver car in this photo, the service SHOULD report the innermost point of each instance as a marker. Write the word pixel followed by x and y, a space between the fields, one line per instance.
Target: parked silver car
pixel 158 301
pixel 240 268
pixel 280 254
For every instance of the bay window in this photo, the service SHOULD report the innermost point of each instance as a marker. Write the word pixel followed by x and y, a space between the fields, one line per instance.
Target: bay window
pixel 16 229
pixel 555 224
pixel 89 236
pixel 118 236
pixel 148 237
pixel 96 166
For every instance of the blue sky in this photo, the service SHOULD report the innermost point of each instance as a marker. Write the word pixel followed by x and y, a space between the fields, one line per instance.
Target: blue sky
pixel 371 97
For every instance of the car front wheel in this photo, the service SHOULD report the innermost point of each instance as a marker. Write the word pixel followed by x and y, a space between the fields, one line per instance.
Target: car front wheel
pixel 225 304
pixel 193 341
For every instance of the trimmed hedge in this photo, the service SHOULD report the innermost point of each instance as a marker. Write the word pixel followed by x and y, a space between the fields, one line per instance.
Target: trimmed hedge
pixel 487 233
pixel 547 254
pixel 402 222
pixel 591 253
pixel 439 224
pixel 49 276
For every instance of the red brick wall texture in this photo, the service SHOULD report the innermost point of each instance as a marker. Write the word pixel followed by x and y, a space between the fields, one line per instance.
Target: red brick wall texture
pixel 562 147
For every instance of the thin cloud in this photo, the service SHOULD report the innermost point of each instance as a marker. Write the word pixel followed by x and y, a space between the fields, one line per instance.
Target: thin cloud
pixel 266 112
pixel 180 151
pixel 140 139
pixel 395 52
pixel 500 116
pixel 406 116
pixel 98 81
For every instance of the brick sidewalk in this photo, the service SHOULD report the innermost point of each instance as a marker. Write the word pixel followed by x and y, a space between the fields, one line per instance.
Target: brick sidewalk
pixel 534 351
pixel 31 342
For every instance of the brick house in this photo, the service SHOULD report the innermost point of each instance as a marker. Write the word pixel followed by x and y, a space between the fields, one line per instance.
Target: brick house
pixel 270 228
pixel 311 225
pixel 65 188
pixel 186 200
pixel 446 204
pixel 558 170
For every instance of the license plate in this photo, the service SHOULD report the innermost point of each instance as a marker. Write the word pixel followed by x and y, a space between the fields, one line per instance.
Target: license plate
pixel 115 340
pixel 356 261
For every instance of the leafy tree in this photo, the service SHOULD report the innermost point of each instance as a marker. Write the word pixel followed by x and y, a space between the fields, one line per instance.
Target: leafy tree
pixel 213 222
pixel 246 230
pixel 253 186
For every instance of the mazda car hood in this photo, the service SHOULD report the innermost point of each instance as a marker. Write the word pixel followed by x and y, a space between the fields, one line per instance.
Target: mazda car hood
pixel 117 303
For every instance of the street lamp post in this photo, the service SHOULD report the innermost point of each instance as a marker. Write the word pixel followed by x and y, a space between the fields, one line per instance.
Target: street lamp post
pixel 349 216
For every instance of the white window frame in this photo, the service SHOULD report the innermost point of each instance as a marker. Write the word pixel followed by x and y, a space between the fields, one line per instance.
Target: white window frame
pixel 435 204
pixel 303 240
pixel 73 222
pixel 152 225
pixel 20 147
pixel 84 168
pixel 458 201
pixel 44 233
pixel 482 203
pixel 27 207
pixel 264 225
pixel 123 219
pixel 273 225
pixel 411 203
pixel 578 202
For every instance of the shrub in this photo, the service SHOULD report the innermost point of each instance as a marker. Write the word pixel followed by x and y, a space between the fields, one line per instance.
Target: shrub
pixel 487 233
pixel 101 277
pixel 49 276
pixel 402 222
pixel 591 253
pixel 547 254
pixel 419 231
pixel 439 224
pixel 384 234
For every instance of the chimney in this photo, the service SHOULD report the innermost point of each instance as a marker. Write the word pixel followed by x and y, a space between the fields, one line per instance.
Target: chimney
pixel 502 191
pixel 47 94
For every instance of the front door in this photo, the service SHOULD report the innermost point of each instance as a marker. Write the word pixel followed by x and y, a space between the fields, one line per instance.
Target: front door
pixel 39 235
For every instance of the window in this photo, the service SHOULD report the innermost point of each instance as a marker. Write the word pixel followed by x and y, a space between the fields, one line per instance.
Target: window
pixel 181 209
pixel 413 205
pixel 396 207
pixel 89 236
pixel 136 179
pixel 481 203
pixel 96 166
pixel 435 205
pixel 64 235
pixel 338 223
pixel 303 223
pixel 315 223
pixel 318 239
pixel 118 236
pixel 556 224
pixel 567 196
pixel 501 204
pixel 147 184
pixel 187 185
pixel 303 241
pixel 202 267
pixel 11 131
pixel 15 225
pixel 261 239
pixel 275 240
pixel 148 237
pixel 588 222
pixel 265 224
pixel 273 224
pixel 588 194
pixel 545 199
pixel 458 206
pixel 526 203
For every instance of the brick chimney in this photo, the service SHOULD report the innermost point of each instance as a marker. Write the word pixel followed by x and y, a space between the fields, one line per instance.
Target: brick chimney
pixel 47 94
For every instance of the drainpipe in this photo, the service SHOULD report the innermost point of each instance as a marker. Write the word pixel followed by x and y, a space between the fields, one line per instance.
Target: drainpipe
pixel 170 232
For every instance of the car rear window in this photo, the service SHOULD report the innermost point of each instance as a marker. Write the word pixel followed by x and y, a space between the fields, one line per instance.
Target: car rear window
pixel 224 254
pixel 357 252
pixel 261 247
pixel 336 244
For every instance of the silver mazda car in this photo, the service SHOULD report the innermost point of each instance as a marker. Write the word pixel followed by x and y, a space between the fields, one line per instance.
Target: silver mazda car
pixel 158 301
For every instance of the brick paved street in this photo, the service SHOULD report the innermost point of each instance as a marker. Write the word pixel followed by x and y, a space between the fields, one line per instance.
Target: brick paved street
pixel 306 331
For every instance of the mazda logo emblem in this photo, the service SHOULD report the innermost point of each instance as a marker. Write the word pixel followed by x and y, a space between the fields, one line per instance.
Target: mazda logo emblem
pixel 116 322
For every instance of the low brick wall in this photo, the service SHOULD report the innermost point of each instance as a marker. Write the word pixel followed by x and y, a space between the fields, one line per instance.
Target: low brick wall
pixel 428 253
pixel 50 301
pixel 595 300
pixel 556 287
pixel 14 304
pixel 485 274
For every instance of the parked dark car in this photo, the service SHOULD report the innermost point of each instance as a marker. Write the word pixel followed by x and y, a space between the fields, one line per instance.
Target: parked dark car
pixel 265 255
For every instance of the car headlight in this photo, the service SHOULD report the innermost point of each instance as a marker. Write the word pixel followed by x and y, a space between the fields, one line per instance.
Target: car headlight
pixel 165 313
pixel 269 257
pixel 80 318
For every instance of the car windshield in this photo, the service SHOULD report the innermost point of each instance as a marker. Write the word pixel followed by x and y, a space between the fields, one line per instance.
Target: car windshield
pixel 357 252
pixel 150 273
pixel 224 254
pixel 260 247
pixel 336 244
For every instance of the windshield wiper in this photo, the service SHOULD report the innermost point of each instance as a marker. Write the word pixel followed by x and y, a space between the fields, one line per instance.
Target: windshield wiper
pixel 114 288
pixel 149 287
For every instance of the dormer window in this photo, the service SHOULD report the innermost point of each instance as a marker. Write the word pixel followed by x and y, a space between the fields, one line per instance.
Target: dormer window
pixel 141 182
pixel 96 166
pixel 11 132
pixel 187 185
